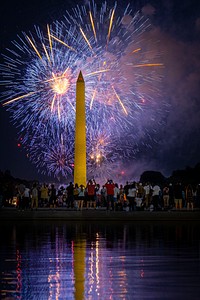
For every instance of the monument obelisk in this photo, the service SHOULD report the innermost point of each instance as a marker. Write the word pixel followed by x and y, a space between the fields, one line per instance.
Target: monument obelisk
pixel 80 134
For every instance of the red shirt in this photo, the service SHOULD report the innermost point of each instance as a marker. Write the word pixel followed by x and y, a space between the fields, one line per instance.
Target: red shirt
pixel 110 188
pixel 91 189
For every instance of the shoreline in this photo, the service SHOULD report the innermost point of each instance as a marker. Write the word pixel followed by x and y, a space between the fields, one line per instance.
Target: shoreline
pixel 62 214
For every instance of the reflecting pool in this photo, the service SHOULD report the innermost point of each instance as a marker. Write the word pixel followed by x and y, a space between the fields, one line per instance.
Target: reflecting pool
pixel 116 260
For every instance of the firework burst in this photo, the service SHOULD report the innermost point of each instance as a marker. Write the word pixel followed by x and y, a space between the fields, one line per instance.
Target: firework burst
pixel 121 66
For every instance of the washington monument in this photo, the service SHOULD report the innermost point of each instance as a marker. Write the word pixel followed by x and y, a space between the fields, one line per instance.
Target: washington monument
pixel 80 134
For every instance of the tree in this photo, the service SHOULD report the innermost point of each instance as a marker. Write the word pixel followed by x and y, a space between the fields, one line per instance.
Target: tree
pixel 153 177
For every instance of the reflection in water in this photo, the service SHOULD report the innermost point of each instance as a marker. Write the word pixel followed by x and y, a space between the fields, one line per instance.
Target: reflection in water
pixel 58 260
pixel 79 268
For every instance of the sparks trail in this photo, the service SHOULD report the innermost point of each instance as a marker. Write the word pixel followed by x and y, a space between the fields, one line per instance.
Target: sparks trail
pixel 111 47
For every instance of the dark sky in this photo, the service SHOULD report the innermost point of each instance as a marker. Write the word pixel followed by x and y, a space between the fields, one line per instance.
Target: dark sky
pixel 177 25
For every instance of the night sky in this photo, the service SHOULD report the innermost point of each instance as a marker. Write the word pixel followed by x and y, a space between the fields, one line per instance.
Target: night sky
pixel 177 26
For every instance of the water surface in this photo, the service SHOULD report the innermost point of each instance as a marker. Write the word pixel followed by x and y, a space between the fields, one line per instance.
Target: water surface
pixel 76 260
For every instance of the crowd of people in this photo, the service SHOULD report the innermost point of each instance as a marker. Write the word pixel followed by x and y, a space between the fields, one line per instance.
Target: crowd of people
pixel 132 196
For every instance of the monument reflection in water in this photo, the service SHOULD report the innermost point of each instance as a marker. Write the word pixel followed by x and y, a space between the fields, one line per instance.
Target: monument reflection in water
pixel 100 261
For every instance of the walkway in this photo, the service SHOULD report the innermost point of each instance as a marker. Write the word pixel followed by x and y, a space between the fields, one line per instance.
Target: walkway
pixel 8 214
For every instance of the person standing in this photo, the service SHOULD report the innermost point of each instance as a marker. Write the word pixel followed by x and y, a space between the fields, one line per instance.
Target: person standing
pixel 34 197
pixel 131 196
pixel 121 192
pixel 103 196
pixel 116 195
pixel 98 195
pixel 156 196
pixel 76 193
pixel 198 196
pixel 110 194
pixel 147 193
pixel 44 195
pixel 166 197
pixel 52 196
pixel 178 195
pixel 171 196
pixel 140 191
pixel 126 187
pixel 189 197
pixel 91 185
pixel 81 196
pixel 27 198
pixel 21 190
pixel 70 195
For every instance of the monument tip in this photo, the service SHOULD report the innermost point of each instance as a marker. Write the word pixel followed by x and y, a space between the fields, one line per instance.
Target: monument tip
pixel 80 77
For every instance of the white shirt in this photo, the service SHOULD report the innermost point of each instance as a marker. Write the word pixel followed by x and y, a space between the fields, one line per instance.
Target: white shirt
pixel 116 192
pixel 104 191
pixel 132 192
pixel 147 189
pixel 34 192
pixel 98 192
pixel 156 190
pixel 27 192
pixel 81 192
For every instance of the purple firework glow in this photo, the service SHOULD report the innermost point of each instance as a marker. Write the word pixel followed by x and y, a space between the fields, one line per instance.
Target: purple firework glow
pixel 121 64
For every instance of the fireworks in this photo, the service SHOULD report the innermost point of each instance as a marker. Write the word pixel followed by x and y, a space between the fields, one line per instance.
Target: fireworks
pixel 121 66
